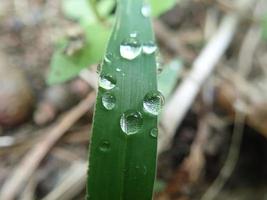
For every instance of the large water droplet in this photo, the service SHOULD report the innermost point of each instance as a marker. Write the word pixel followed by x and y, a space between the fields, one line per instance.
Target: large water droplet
pixel 154 132
pixel 159 63
pixel 146 10
pixel 153 103
pixel 108 100
pixel 107 82
pixel 149 47
pixel 131 122
pixel 104 146
pixel 130 48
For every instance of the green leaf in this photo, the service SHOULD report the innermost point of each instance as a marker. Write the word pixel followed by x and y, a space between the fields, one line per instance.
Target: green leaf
pixel 64 67
pixel 81 10
pixel 159 7
pixel 169 76
pixel 123 149
pixel 159 186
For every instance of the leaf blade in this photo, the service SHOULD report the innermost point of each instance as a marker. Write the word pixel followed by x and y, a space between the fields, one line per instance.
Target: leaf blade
pixel 127 169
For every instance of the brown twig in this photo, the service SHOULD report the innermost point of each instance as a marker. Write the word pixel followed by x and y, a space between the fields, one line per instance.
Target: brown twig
pixel 30 162
pixel 201 70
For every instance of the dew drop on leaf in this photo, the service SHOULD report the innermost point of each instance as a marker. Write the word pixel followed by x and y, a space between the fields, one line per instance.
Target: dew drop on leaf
pixel 153 103
pixel 130 48
pixel 131 122
pixel 118 69
pixel 107 82
pixel 104 146
pixel 154 132
pixel 149 47
pixel 133 34
pixel 146 10
pixel 108 57
pixel 108 100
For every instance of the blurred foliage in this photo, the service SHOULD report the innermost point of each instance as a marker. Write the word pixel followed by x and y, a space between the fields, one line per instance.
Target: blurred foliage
pixel 168 77
pixel 264 26
pixel 66 66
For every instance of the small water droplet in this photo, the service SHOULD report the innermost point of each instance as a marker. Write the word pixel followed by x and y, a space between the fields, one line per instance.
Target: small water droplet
pixel 153 103
pixel 154 132
pixel 107 82
pixel 146 10
pixel 159 69
pixel 145 170
pixel 104 146
pixel 130 48
pixel 108 100
pixel 131 122
pixel 134 34
pixel 149 47
pixel 159 63
pixel 108 57
pixel 118 69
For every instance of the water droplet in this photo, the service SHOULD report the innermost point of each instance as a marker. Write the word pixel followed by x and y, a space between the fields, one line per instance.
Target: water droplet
pixel 131 122
pixel 145 170
pixel 108 57
pixel 118 69
pixel 154 132
pixel 108 100
pixel 149 47
pixel 134 34
pixel 159 69
pixel 130 48
pixel 159 63
pixel 107 82
pixel 153 103
pixel 146 10
pixel 104 146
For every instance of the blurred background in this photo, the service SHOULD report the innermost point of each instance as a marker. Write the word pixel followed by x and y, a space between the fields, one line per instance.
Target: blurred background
pixel 212 69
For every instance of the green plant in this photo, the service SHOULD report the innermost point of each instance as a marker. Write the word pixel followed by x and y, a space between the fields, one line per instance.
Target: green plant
pixel 90 15
pixel 123 146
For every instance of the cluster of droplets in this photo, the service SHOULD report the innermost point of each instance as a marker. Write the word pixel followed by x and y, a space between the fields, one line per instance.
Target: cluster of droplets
pixel 131 121
pixel 131 47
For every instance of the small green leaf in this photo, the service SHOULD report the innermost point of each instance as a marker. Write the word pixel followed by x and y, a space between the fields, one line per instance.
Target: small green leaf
pixel 81 10
pixel 159 186
pixel 169 76
pixel 64 67
pixel 159 7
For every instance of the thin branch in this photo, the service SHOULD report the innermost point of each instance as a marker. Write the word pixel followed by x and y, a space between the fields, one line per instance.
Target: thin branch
pixel 203 66
pixel 31 161
pixel 231 159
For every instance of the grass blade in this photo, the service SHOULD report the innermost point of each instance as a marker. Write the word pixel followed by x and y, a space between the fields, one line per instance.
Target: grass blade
pixel 124 141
